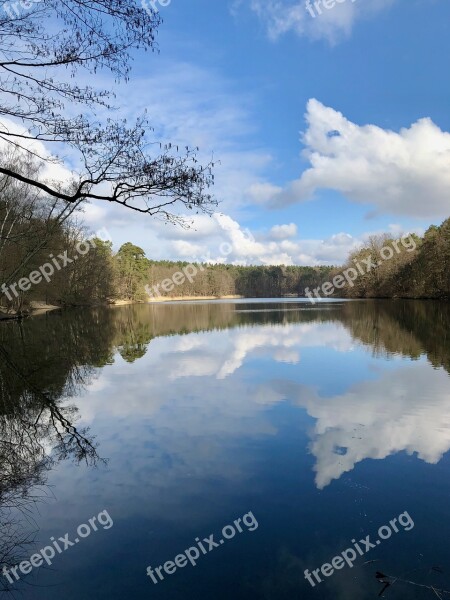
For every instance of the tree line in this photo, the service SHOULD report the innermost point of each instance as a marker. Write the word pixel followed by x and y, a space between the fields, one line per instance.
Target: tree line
pixel 423 272
pixel 126 164
pixel 37 230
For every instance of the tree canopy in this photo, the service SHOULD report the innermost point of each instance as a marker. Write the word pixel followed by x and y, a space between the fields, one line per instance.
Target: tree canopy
pixel 46 49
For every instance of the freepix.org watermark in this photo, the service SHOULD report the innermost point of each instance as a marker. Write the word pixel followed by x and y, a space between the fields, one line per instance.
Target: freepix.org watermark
pixel 58 546
pixel 363 266
pixel 47 270
pixel 314 7
pixel 152 6
pixel 191 270
pixel 349 556
pixel 168 285
pixel 208 544
pixel 15 9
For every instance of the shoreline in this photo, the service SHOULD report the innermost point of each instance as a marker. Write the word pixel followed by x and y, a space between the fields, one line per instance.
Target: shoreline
pixel 190 299
pixel 35 308
pixel 38 308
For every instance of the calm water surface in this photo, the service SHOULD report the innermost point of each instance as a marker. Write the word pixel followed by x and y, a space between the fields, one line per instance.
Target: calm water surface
pixel 325 422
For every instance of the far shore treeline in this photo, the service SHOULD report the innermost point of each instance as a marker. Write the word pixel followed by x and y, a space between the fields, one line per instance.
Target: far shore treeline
pixel 30 239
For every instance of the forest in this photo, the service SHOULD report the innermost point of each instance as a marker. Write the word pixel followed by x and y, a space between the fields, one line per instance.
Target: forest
pixel 47 256
pixel 421 273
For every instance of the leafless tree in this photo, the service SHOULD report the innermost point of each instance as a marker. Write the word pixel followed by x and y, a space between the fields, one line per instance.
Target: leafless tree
pixel 44 46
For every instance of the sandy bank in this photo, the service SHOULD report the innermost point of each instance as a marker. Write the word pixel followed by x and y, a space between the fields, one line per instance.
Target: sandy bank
pixel 34 308
pixel 42 306
pixel 191 298
pixel 122 302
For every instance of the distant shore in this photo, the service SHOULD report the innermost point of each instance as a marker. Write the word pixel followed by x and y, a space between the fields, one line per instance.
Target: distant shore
pixel 37 308
pixel 190 298
pixel 41 307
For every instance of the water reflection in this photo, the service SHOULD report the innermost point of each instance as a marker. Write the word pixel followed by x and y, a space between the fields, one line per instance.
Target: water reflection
pixel 405 409
pixel 53 357
pixel 191 401
pixel 36 432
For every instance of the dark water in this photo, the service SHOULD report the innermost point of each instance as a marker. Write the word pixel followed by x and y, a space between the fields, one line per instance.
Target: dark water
pixel 313 425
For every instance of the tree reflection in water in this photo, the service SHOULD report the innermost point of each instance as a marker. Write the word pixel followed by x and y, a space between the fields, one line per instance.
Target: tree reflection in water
pixel 48 359
pixel 36 432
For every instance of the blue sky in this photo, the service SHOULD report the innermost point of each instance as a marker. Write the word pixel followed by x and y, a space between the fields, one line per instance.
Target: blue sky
pixel 261 83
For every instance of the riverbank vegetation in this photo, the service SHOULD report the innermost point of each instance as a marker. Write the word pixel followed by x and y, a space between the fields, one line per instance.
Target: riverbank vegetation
pixel 35 232
pixel 422 273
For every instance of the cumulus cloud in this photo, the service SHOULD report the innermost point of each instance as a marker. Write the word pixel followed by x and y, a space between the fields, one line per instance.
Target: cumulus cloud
pixel 52 170
pixel 231 243
pixel 186 249
pixel 315 22
pixel 221 239
pixel 402 173
pixel 195 107
pixel 262 192
pixel 281 232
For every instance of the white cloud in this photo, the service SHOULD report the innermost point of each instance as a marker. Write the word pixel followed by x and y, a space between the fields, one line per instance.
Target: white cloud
pixel 281 232
pixel 196 106
pixel 186 249
pixel 187 106
pixel 52 170
pixel 317 22
pixel 404 173
pixel 261 193
pixel 231 243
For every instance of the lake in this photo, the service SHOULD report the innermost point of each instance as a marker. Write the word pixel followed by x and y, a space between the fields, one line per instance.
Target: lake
pixel 288 432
